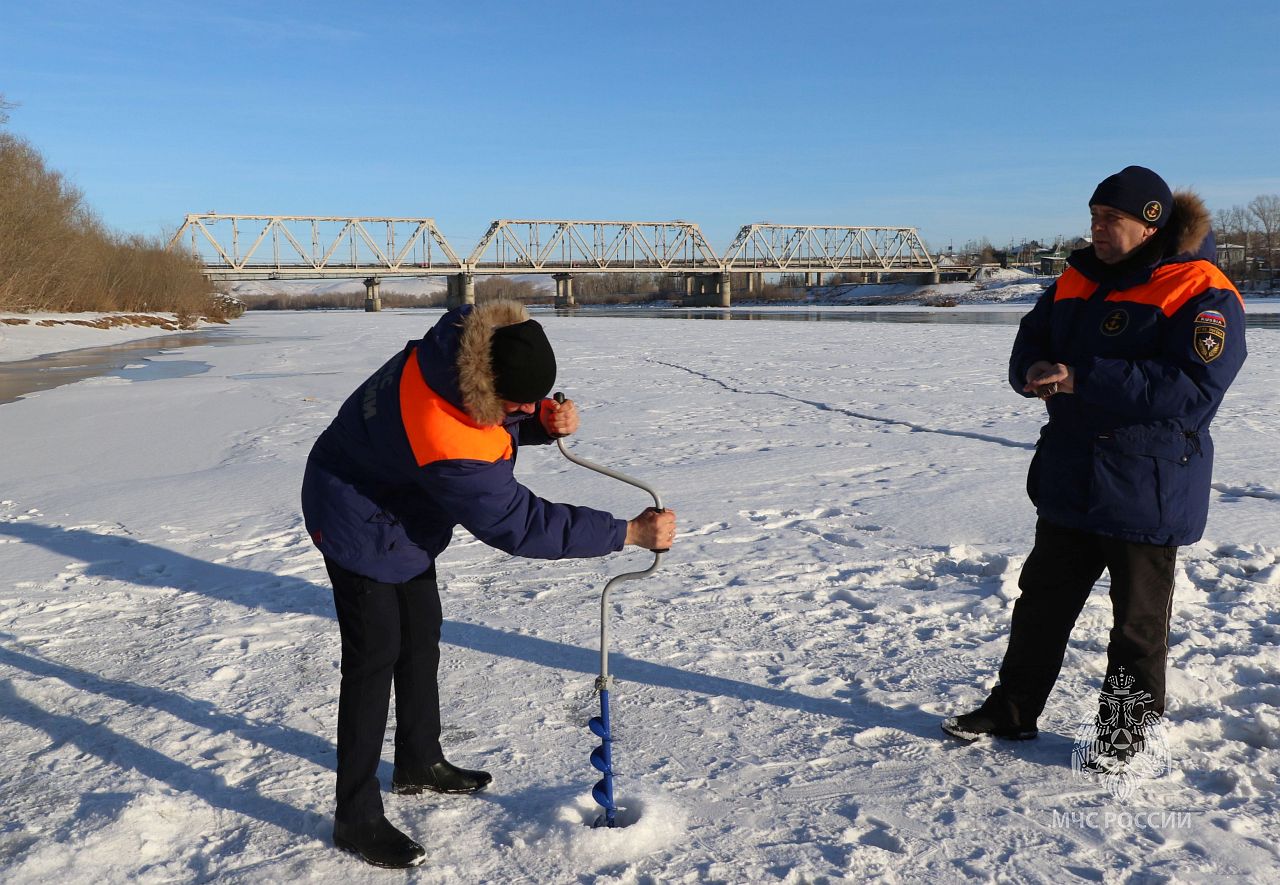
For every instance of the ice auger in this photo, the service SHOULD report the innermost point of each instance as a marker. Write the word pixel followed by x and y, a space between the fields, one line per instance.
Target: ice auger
pixel 601 726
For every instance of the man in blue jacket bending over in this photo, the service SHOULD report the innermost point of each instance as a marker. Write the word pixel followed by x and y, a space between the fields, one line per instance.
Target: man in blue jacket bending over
pixel 427 443
pixel 1131 350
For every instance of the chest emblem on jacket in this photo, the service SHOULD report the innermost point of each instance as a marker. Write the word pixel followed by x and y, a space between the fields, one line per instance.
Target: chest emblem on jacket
pixel 1209 341
pixel 1115 322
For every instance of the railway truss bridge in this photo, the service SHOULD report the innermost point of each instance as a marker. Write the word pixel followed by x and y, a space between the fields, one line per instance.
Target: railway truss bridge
pixel 248 247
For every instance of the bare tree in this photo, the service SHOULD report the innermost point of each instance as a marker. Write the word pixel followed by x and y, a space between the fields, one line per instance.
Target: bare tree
pixel 1231 242
pixel 1222 225
pixel 1236 227
pixel 1266 209
pixel 5 107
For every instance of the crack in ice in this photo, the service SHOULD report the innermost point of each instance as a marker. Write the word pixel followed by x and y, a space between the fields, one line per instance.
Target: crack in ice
pixel 827 407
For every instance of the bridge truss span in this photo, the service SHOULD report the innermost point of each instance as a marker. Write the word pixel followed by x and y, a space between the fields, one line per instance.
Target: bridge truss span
pixel 780 248
pixel 533 246
pixel 310 247
pixel 249 247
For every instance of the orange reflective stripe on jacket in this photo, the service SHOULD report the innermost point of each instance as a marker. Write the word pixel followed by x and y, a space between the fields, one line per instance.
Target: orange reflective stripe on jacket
pixel 1073 284
pixel 1170 287
pixel 439 431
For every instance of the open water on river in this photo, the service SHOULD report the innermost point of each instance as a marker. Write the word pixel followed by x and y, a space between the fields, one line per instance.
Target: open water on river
pixel 129 359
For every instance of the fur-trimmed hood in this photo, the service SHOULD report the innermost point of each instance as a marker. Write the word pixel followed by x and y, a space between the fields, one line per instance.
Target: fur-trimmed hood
pixel 1188 226
pixel 455 359
pixel 474 363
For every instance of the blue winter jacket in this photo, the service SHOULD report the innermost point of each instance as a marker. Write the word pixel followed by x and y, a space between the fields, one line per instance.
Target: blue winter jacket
pixel 1155 344
pixel 405 461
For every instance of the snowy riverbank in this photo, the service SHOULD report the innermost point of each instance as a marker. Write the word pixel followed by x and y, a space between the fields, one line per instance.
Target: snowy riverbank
pixel 27 335
pixel 853 521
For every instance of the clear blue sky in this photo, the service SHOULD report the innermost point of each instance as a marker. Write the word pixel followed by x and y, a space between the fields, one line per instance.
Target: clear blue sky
pixel 965 120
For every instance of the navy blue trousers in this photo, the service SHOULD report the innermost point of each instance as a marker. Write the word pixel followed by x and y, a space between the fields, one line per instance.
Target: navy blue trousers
pixel 390 635
pixel 1056 581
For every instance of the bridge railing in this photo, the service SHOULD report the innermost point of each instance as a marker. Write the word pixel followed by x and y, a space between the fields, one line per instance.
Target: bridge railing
pixel 512 245
pixel 826 249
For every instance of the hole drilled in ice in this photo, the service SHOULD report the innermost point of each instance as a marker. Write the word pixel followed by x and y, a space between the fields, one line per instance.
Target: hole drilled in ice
pixel 624 817
pixel 588 812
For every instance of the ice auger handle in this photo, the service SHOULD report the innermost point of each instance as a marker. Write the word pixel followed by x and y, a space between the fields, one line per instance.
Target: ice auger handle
pixel 599 468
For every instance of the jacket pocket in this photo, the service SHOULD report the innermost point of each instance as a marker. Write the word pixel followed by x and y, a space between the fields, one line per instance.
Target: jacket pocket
pixel 1058 478
pixel 385 531
pixel 1136 478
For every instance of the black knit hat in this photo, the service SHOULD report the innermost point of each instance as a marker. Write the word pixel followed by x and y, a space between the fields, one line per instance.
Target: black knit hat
pixel 1138 191
pixel 524 365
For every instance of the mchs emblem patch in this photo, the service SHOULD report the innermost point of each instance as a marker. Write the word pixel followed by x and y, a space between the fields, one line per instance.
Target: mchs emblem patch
pixel 1210 341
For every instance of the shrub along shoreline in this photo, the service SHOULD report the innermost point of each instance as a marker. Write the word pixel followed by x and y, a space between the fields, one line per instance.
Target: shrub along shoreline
pixel 57 256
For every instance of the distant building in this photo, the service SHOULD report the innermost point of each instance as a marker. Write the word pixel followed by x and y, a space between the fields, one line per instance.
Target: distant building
pixel 1052 265
pixel 1230 258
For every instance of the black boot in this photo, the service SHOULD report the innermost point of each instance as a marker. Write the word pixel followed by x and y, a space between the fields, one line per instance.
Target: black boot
pixel 980 723
pixel 379 843
pixel 443 777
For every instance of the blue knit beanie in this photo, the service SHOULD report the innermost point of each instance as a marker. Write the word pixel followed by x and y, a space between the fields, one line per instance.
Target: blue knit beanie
pixel 1138 191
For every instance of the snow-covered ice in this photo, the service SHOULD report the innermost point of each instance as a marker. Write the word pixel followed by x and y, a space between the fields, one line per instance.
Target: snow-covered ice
pixel 853 521
pixel 27 335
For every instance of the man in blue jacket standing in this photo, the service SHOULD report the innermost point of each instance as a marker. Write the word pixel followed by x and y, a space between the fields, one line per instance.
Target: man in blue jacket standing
pixel 1131 350
pixel 427 443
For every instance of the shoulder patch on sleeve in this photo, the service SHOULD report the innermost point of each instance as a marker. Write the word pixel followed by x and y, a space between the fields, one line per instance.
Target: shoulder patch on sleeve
pixel 1212 318
pixel 1209 340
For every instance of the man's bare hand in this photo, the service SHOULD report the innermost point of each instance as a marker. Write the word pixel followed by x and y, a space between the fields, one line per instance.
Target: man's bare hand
pixel 653 529
pixel 1044 379
pixel 559 419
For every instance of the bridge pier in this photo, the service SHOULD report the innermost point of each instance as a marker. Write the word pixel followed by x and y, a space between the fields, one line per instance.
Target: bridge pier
pixel 461 289
pixel 707 290
pixel 564 289
pixel 372 297
pixel 695 287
